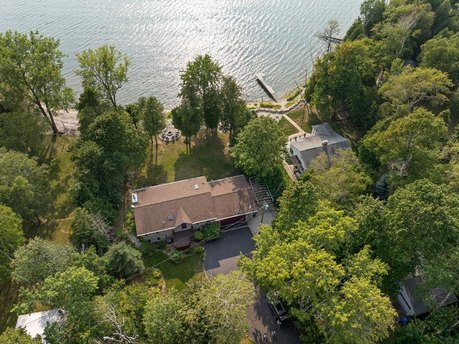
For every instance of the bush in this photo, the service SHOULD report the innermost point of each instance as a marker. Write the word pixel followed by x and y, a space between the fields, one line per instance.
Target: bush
pixel 199 250
pixel 208 232
pixel 294 94
pixel 176 257
pixel 269 105
pixel 154 278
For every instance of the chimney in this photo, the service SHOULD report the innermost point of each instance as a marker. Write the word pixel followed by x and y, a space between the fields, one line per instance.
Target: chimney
pixel 325 149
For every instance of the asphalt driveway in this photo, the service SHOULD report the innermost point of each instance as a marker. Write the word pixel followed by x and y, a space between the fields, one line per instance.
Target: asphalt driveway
pixel 222 254
pixel 221 258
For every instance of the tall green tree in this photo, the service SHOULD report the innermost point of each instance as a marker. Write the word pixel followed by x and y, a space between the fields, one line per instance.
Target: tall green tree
pixel 37 260
pixel 11 237
pixel 164 319
pixel 123 260
pixel 422 225
pixel 24 185
pixel 23 130
pixel 31 69
pixel 344 81
pixel 442 53
pixel 409 146
pixel 416 87
pixel 298 202
pixel 90 230
pixel 188 120
pixel 340 180
pixel 235 114
pixel 152 112
pixel 105 69
pixel 260 147
pixel 201 83
pixel 113 148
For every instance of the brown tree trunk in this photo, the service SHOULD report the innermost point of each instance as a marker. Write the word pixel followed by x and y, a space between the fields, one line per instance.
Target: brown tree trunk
pixel 156 150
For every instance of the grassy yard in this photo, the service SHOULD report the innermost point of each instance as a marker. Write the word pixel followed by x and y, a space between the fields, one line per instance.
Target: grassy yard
pixel 176 275
pixel 209 157
pixel 287 127
pixel 297 117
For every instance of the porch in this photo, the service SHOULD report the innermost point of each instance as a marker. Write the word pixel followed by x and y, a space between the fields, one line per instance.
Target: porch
pixel 182 239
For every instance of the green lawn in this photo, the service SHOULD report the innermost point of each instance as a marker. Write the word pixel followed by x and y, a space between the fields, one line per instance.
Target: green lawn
pixel 176 275
pixel 287 127
pixel 209 157
pixel 297 117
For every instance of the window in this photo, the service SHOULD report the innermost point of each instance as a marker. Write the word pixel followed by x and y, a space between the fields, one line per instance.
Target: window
pixel 183 225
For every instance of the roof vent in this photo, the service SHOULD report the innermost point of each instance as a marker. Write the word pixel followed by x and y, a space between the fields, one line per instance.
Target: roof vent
pixel 325 143
pixel 196 186
pixel 170 218
pixel 135 198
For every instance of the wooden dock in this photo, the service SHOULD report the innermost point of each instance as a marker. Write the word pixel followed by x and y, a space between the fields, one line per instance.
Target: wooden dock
pixel 265 86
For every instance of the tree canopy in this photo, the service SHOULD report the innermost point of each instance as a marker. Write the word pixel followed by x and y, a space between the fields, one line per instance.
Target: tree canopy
pixel 260 147
pixel 24 185
pixel 11 237
pixel 105 69
pixel 31 69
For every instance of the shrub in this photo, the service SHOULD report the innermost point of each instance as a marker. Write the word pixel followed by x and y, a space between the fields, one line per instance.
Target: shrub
pixel 199 250
pixel 208 232
pixel 269 105
pixel 294 94
pixel 176 257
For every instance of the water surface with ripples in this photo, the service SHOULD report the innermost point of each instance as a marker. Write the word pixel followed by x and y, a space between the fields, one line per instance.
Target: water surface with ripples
pixel 274 37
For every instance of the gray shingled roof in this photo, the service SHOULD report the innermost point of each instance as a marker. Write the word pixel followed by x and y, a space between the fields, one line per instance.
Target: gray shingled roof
pixel 312 146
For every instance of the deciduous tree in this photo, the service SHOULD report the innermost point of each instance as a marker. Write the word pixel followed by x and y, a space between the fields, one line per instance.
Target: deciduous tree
pixel 260 147
pixel 123 260
pixel 152 112
pixel 341 181
pixel 24 185
pixel 201 83
pixel 105 69
pixel 11 237
pixel 37 260
pixel 31 68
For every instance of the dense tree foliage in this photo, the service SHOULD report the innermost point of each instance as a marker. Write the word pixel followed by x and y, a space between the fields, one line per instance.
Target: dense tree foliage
pixel 37 260
pixel 31 71
pixel 90 230
pixel 123 261
pixel 17 336
pixel 151 112
pixel 24 185
pixel 113 147
pixel 344 82
pixel 341 179
pixel 11 237
pixel 104 69
pixel 260 147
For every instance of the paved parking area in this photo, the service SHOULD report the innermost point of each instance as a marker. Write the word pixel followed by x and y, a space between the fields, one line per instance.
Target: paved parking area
pixel 221 258
pixel 222 254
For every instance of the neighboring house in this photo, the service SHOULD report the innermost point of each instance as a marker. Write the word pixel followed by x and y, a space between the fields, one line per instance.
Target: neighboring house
pixel 35 323
pixel 412 304
pixel 171 211
pixel 323 139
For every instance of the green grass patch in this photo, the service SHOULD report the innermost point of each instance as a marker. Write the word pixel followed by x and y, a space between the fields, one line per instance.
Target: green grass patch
pixel 176 275
pixel 269 105
pixel 209 157
pixel 287 127
pixel 300 118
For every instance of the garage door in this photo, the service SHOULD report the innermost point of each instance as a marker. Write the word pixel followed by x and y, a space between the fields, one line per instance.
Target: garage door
pixel 232 220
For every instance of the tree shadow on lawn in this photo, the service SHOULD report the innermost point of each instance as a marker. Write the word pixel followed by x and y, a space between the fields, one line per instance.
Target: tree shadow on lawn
pixel 209 157
pixel 154 175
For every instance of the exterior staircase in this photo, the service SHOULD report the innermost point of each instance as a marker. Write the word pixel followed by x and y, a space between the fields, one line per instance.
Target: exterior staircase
pixel 261 192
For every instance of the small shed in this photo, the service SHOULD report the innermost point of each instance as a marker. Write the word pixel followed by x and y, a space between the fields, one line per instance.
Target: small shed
pixel 35 323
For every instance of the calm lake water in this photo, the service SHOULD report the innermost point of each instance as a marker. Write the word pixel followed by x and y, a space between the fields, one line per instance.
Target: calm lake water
pixel 274 37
